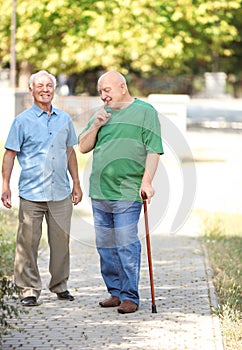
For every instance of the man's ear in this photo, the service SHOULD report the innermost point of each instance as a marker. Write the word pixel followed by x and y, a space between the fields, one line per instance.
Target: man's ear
pixel 124 88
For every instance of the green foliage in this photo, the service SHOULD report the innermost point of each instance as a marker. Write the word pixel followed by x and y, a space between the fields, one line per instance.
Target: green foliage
pixel 8 228
pixel 8 291
pixel 73 36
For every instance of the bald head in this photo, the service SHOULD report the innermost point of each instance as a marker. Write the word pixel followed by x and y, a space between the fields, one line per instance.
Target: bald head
pixel 112 76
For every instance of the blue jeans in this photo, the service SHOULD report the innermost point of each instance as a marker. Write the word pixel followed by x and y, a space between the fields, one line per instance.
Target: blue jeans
pixel 116 227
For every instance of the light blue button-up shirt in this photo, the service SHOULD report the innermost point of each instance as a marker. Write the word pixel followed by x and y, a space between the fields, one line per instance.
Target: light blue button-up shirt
pixel 41 142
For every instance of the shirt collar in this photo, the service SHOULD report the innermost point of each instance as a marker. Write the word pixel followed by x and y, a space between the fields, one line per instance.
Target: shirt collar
pixel 39 111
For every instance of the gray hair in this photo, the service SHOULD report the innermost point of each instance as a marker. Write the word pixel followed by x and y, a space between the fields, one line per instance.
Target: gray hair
pixel 41 72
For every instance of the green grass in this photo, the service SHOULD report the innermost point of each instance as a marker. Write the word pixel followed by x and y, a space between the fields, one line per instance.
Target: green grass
pixel 223 239
pixel 8 229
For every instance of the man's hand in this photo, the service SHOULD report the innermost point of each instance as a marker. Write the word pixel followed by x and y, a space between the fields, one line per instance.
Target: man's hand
pixel 146 192
pixel 101 118
pixel 6 199
pixel 88 139
pixel 76 194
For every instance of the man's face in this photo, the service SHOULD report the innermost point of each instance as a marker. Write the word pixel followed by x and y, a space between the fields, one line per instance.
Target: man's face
pixel 43 90
pixel 111 92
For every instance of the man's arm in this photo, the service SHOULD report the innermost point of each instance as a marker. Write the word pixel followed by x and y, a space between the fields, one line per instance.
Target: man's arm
pixel 7 167
pixel 88 139
pixel 151 165
pixel 73 170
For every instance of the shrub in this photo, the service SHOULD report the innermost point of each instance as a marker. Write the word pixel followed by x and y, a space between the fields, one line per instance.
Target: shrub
pixel 8 290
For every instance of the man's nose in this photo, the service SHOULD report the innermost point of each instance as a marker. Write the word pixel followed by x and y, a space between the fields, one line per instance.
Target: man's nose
pixel 47 87
pixel 102 95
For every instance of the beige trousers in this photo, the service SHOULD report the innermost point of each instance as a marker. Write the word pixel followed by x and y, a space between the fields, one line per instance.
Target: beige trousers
pixel 58 219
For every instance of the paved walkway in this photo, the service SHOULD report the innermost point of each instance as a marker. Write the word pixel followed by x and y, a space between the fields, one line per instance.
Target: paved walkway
pixel 184 297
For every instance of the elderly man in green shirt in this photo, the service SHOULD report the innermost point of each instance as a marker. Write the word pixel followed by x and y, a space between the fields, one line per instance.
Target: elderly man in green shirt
pixel 125 138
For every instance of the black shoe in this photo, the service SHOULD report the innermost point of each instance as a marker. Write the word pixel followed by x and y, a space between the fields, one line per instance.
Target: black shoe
pixel 65 296
pixel 29 301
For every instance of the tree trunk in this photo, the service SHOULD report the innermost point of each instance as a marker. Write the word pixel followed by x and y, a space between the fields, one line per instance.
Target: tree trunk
pixel 24 74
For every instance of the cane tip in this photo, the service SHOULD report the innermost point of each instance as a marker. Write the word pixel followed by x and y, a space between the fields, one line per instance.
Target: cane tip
pixel 154 311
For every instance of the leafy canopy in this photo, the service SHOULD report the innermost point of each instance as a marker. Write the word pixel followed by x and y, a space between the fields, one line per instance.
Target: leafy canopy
pixel 139 35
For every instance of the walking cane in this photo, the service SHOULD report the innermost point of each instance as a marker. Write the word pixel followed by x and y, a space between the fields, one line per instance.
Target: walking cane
pixel 144 197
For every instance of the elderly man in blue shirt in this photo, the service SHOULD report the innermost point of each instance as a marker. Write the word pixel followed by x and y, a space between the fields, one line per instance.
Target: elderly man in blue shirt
pixel 42 138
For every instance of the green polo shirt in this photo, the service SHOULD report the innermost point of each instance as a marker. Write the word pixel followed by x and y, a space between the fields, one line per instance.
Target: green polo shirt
pixel 120 151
